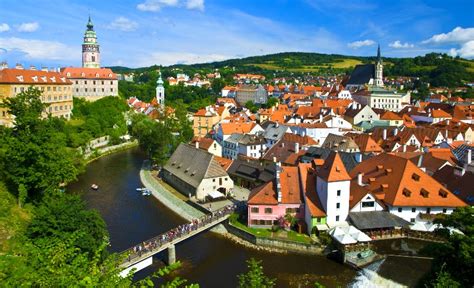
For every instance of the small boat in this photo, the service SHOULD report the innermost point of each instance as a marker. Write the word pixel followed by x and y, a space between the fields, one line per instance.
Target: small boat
pixel 94 187
pixel 146 192
pixel 141 189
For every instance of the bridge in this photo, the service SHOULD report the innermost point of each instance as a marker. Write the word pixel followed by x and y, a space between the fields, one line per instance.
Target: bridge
pixel 141 255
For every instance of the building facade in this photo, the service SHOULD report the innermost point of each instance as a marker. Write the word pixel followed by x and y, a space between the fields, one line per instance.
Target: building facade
pixel 56 91
pixel 254 93
pixel 91 82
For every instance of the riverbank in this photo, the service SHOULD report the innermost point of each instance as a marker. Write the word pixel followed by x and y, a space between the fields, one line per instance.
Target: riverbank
pixel 230 232
pixel 105 151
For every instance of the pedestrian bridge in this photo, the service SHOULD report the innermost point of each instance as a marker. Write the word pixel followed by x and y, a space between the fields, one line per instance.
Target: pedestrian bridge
pixel 141 255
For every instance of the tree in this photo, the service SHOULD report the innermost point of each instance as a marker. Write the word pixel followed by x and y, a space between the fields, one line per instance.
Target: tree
pixel 251 106
pixel 255 278
pixel 41 160
pixel 27 107
pixel 217 84
pixel 22 195
pixel 454 259
pixel 272 101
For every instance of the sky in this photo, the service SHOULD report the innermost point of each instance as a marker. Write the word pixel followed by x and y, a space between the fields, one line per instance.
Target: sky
pixel 138 33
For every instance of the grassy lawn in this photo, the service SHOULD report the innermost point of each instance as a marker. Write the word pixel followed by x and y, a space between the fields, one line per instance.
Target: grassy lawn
pixel 261 232
pixel 75 122
pixel 345 63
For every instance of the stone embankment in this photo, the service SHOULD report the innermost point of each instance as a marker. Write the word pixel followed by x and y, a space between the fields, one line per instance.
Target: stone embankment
pixel 230 232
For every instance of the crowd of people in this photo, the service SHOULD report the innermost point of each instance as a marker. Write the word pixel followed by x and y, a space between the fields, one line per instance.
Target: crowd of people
pixel 181 230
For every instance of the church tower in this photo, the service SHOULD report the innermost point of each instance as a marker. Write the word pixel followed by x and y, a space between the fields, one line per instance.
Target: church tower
pixel 90 48
pixel 379 70
pixel 160 91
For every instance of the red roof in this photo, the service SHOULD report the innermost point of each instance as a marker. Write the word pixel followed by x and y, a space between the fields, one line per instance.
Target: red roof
pixel 32 77
pixel 333 169
pixel 88 73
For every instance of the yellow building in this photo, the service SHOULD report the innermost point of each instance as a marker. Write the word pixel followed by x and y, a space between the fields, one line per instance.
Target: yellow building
pixel 205 119
pixel 55 88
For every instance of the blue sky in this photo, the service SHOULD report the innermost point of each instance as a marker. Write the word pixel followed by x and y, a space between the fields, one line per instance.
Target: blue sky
pixel 146 32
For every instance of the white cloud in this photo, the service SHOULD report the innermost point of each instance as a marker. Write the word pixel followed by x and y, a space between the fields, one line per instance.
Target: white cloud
pixel 195 4
pixel 458 35
pixel 4 27
pixel 123 24
pixel 399 45
pixel 28 27
pixel 359 44
pixel 156 5
pixel 170 58
pixel 39 49
pixel 466 50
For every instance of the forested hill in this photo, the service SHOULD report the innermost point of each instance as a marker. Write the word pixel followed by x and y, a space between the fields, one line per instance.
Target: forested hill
pixel 438 69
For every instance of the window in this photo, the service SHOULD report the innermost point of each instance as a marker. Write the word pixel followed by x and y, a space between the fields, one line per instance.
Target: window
pixel 428 210
pixel 102 82
pixel 338 205
pixel 338 192
pixel 412 220
pixel 413 209
pixel 337 218
pixel 445 210
pixel 77 82
pixel 85 82
pixel 268 210
pixel 368 204
pixel 254 210
pixel 93 82
pixel 400 209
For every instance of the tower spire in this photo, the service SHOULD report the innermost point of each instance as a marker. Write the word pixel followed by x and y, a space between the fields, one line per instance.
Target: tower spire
pixel 379 58
pixel 90 26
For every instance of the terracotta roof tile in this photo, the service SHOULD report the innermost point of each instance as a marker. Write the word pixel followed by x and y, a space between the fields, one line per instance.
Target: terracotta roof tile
pixel 333 169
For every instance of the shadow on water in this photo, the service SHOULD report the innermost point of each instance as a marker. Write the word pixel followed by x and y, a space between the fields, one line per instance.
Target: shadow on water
pixel 208 259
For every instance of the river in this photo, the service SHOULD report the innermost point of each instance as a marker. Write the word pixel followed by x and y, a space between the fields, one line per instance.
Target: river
pixel 209 259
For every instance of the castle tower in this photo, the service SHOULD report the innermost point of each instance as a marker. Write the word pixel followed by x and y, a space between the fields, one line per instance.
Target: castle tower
pixel 90 48
pixel 160 91
pixel 379 70
pixel 333 188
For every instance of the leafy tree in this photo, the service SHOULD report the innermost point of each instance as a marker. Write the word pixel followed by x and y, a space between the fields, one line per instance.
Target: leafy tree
pixel 22 195
pixel 454 259
pixel 255 278
pixel 272 101
pixel 27 107
pixel 217 84
pixel 251 106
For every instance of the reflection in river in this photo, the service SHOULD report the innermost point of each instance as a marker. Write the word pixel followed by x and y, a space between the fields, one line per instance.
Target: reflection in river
pixel 208 259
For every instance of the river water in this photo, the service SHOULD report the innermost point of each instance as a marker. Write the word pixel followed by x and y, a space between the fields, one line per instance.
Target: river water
pixel 208 259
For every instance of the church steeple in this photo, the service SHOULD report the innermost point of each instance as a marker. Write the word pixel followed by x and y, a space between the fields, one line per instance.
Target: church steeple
pixel 379 58
pixel 90 47
pixel 379 69
pixel 160 91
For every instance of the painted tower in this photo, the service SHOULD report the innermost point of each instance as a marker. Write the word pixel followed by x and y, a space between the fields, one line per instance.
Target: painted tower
pixel 333 186
pixel 379 70
pixel 160 91
pixel 90 48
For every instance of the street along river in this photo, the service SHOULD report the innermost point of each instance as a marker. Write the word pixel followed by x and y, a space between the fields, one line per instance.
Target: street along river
pixel 209 259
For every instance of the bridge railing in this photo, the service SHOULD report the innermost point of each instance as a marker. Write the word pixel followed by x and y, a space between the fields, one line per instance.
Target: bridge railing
pixel 157 242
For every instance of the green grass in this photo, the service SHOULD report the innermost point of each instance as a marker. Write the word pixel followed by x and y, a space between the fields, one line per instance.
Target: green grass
pixel 470 63
pixel 75 122
pixel 267 233
pixel 344 63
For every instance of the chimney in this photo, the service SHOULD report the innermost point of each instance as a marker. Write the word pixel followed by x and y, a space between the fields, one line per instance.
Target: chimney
pixel 469 156
pixel 446 134
pixel 404 148
pixel 420 163
pixel 384 135
pixel 447 122
pixel 459 171
pixel 395 132
pixel 3 65
pixel 358 157
pixel 32 67
pixel 44 69
pixel 297 147
pixel 282 144
pixel 19 66
pixel 320 118
pixel 359 179
pixel 274 159
pixel 276 124
pixel 197 144
pixel 278 183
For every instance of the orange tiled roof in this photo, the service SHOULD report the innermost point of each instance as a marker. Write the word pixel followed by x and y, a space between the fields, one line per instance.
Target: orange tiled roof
pixel 89 73
pixel 389 115
pixel 308 183
pixel 242 128
pixel 32 77
pixel 290 189
pixel 438 113
pixel 333 169
pixel 399 182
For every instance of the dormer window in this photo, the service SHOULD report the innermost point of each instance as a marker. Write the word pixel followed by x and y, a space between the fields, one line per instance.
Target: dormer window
pixel 443 193
pixel 35 78
pixel 44 78
pixel 406 192
pixel 110 75
pixel 53 79
pixel 96 75
pixel 20 78
pixel 415 177
pixel 424 193
pixel 83 74
pixel 68 74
